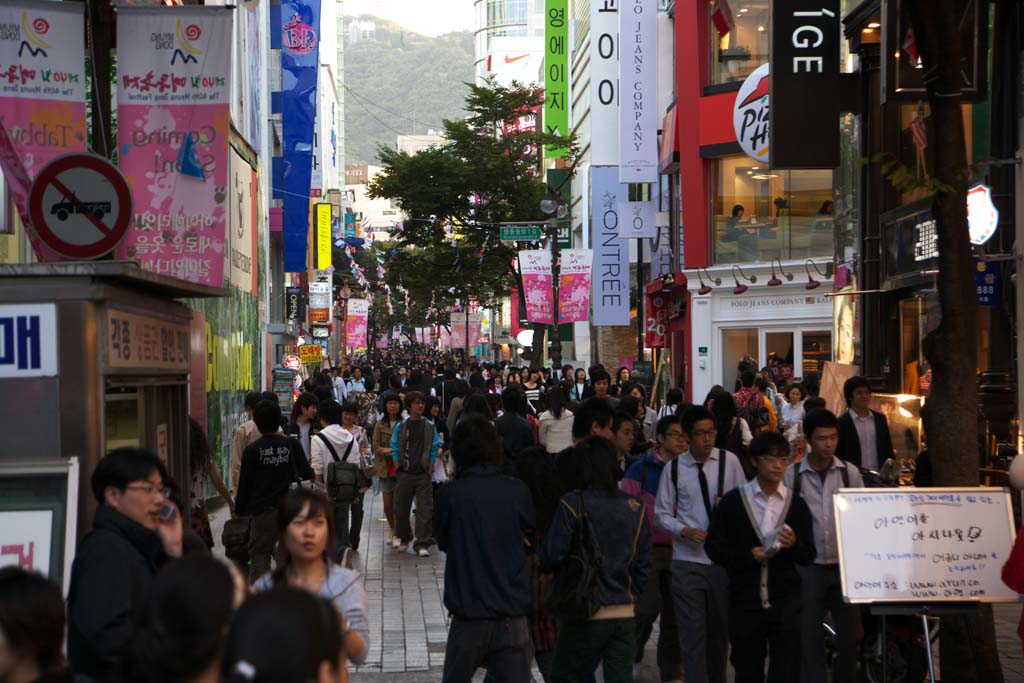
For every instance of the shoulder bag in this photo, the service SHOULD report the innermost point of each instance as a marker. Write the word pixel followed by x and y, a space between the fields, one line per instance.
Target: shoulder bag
pixel 341 476
pixel 574 593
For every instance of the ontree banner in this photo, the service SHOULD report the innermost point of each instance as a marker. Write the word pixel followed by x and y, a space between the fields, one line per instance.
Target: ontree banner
pixel 638 78
pixel 355 323
pixel 574 285
pixel 300 43
pixel 173 98
pixel 556 72
pixel 42 102
pixel 638 220
pixel 535 267
pixel 604 82
pixel 611 252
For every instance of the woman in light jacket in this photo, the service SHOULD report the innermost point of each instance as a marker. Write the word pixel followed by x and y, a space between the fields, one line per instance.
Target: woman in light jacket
pixel 555 425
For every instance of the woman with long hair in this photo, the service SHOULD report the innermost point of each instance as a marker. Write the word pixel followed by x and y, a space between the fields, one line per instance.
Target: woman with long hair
pixel 305 526
pixel 733 433
pixel 286 635
pixel 622 376
pixel 620 530
pixel 476 404
pixel 32 624
pixel 382 462
pixel 555 424
pixel 201 466
pixel 579 386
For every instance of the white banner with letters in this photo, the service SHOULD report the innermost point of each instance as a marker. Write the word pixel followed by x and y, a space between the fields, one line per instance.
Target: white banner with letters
pixel 604 82
pixel 610 278
pixel 638 80
pixel 638 220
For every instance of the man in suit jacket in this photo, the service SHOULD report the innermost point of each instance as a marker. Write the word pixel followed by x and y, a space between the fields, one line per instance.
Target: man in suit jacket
pixel 864 438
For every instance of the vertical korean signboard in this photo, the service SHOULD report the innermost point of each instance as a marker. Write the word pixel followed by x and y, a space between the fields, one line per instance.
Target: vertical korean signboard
pixel 173 98
pixel 556 72
pixel 611 253
pixel 574 286
pixel 535 267
pixel 323 236
pixel 356 322
pixel 804 121
pixel 638 78
pixel 300 43
pixel 604 82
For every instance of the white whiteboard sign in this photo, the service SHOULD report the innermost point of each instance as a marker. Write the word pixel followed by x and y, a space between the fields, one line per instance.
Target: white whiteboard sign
pixel 924 545
pixel 25 539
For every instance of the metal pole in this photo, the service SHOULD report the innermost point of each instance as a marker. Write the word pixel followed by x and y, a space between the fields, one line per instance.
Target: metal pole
pixel 639 299
pixel 556 336
pixel 467 331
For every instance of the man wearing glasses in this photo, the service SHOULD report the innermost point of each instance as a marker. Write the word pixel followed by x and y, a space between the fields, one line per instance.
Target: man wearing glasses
pixel 135 531
pixel 641 480
pixel 687 495
pixel 759 533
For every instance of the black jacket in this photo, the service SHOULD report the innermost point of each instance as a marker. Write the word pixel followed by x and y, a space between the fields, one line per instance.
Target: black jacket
pixel 111 576
pixel 621 533
pixel 516 433
pixel 849 443
pixel 269 466
pixel 731 537
pixel 480 521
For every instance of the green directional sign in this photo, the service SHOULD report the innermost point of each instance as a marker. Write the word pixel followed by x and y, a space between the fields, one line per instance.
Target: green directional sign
pixel 521 233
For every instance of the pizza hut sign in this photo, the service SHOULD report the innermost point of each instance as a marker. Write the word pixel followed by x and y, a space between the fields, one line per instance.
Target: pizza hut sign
pixel 750 115
pixel 982 215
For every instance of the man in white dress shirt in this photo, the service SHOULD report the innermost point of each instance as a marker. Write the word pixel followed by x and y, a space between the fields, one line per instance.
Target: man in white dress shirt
pixel 688 492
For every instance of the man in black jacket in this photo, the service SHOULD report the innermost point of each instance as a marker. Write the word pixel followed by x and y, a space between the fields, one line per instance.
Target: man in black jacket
pixel 759 533
pixel 484 522
pixel 515 431
pixel 864 438
pixel 269 466
pixel 133 535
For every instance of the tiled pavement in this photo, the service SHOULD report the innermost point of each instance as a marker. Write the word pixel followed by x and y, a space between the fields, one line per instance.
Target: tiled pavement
pixel 409 627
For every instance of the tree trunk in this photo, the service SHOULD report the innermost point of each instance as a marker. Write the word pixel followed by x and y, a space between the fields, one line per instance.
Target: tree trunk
pixel 968 644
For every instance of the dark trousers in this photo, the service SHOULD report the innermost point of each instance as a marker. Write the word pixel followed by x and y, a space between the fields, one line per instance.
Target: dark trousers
pixel 416 486
pixel 348 522
pixel 582 645
pixel 262 537
pixel 656 601
pixel 502 646
pixel 774 633
pixel 821 591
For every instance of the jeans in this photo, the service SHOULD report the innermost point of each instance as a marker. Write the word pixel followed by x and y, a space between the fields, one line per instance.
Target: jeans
pixel 501 645
pixel 262 537
pixel 822 591
pixel 414 486
pixel 584 644
pixel 655 601
pixel 346 532
pixel 700 595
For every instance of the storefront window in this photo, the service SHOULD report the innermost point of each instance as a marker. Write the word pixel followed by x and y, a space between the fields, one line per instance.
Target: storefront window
pixel 745 47
pixel 738 345
pixel 760 215
pixel 918 317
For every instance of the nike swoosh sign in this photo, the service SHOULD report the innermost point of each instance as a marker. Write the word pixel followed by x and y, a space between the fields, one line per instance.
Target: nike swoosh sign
pixel 509 60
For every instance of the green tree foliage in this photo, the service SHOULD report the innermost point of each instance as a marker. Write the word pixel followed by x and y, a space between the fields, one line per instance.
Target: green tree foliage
pixel 420 79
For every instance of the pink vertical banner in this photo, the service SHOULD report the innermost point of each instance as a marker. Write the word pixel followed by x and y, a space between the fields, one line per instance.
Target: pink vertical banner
pixel 356 319
pixel 476 321
pixel 574 286
pixel 446 339
pixel 174 120
pixel 382 341
pixel 42 92
pixel 458 325
pixel 535 267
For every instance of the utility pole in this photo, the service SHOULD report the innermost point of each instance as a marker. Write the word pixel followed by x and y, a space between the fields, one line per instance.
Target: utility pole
pixel 640 299
pixel 556 335
pixel 100 27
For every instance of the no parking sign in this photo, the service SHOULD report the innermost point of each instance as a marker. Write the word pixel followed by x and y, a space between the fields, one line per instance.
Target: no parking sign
pixel 80 206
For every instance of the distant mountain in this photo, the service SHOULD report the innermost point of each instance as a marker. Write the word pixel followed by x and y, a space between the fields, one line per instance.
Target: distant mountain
pixel 401 81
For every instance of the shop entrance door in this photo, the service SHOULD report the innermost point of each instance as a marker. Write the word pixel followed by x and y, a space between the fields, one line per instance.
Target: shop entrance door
pixel 790 353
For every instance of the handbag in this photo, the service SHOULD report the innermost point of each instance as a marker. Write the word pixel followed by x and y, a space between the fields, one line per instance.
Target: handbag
pixel 297 481
pixel 574 594
pixel 235 538
pixel 340 476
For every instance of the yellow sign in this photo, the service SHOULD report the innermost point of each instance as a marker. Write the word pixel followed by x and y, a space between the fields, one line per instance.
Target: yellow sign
pixel 323 236
pixel 311 353
pixel 136 341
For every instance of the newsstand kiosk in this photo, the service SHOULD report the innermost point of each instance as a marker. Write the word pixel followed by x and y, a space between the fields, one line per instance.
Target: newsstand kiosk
pixel 93 356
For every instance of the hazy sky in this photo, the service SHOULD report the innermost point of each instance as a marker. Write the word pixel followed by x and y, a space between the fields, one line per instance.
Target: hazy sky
pixel 429 17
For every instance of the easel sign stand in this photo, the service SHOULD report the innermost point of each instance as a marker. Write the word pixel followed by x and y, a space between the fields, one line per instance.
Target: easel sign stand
pixel 924 552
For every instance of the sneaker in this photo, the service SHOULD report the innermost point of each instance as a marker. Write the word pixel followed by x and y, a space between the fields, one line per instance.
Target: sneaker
pixel 403 547
pixel 388 537
pixel 395 541
pixel 423 552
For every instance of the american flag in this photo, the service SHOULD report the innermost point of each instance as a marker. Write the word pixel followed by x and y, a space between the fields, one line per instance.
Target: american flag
pixel 917 128
pixel 721 15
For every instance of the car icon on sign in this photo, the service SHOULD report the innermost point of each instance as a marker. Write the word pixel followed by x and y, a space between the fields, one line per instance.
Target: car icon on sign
pixel 72 205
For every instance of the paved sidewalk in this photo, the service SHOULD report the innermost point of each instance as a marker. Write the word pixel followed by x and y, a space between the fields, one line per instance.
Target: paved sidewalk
pixel 409 626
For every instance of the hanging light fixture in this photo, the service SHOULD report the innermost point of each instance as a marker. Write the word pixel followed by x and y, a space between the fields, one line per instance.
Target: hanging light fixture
pixel 705 288
pixel 811 282
pixel 739 289
pixel 775 281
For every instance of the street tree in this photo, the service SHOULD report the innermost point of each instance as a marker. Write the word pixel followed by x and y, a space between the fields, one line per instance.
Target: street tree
pixel 968 646
pixel 456 196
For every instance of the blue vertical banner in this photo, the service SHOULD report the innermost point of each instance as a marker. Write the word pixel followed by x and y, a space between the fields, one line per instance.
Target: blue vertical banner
pixel 300 41
pixel 610 275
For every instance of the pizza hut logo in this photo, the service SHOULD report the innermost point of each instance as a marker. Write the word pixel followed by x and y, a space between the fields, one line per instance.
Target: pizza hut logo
pixel 750 115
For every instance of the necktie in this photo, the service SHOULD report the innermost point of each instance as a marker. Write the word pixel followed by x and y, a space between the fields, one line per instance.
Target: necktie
pixel 703 480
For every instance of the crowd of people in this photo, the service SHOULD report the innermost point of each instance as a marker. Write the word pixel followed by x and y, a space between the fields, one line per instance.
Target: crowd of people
pixel 573 516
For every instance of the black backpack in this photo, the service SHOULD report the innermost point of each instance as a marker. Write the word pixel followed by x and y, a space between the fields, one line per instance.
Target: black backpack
pixel 755 412
pixel 575 592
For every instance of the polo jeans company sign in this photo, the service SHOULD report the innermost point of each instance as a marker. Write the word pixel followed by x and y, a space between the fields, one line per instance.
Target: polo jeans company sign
pixel 638 71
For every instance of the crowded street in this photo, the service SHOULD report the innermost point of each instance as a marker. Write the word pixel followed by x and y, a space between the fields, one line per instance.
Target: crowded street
pixel 511 341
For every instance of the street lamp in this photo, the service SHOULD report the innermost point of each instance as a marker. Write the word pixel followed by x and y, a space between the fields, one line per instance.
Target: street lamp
pixel 555 208
pixel 345 294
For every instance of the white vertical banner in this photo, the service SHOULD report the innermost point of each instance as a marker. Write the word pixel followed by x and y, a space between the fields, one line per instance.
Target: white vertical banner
pixel 638 80
pixel 604 82
pixel 610 277
pixel 638 220
pixel 661 252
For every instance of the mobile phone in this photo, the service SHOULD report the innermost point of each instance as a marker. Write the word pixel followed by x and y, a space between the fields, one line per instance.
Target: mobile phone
pixel 167 511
